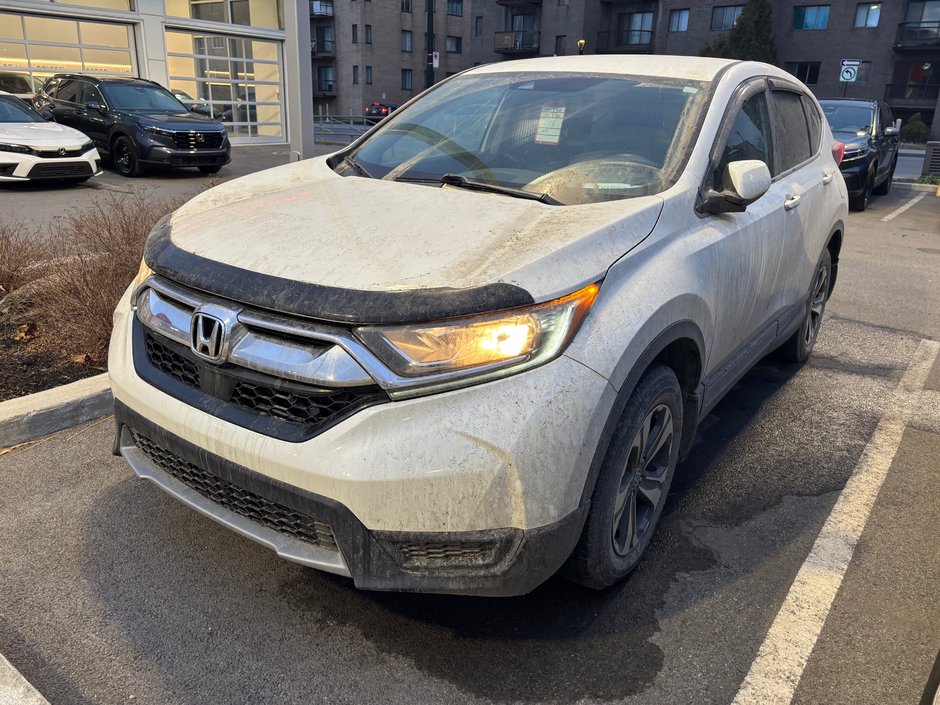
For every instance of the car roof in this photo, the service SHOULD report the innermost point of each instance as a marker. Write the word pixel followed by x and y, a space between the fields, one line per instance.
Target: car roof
pixel 693 68
pixel 106 79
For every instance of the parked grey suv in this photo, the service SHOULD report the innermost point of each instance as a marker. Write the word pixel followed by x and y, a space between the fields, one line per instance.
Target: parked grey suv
pixel 470 349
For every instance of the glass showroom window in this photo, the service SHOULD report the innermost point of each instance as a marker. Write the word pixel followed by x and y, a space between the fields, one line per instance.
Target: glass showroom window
pixel 256 13
pixel 34 48
pixel 236 80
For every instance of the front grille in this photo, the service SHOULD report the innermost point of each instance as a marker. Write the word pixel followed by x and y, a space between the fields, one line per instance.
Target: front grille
pixel 198 140
pixel 261 394
pixel 253 506
pixel 54 153
pixel 52 171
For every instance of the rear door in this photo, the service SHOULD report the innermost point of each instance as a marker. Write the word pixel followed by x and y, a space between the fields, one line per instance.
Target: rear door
pixel 67 101
pixel 92 122
pixel 889 143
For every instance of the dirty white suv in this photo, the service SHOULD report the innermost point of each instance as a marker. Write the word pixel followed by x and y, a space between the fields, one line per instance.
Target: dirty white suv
pixel 470 349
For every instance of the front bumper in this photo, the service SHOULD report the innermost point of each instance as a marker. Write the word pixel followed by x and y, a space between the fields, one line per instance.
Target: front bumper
pixel 167 156
pixel 855 176
pixel 313 530
pixel 29 167
pixel 500 467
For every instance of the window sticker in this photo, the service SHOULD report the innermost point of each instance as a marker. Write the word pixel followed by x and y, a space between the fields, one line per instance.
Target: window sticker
pixel 548 130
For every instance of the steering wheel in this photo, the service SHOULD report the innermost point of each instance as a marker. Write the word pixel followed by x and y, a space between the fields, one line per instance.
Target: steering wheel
pixel 436 140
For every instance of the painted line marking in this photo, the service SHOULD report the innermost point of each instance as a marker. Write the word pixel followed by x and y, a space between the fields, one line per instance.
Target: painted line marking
pixel 900 209
pixel 781 659
pixel 16 690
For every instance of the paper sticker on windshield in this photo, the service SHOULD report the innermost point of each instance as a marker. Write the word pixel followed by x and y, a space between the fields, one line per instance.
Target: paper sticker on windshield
pixel 548 131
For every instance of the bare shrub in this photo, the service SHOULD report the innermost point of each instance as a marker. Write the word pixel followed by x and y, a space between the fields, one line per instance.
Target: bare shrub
pixel 20 256
pixel 96 252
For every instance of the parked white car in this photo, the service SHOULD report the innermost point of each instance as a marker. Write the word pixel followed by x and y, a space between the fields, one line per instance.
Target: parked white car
pixel 32 148
pixel 469 350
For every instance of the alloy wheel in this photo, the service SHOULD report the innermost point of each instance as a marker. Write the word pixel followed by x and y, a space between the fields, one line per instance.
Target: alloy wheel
pixel 641 485
pixel 816 307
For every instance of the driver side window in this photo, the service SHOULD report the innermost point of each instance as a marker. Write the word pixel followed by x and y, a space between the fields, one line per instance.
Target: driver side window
pixel 749 137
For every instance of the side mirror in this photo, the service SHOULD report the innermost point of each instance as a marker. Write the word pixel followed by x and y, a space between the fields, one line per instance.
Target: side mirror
pixel 892 131
pixel 743 183
pixel 47 115
pixel 94 105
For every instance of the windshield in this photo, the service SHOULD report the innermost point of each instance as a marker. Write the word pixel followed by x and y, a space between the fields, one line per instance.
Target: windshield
pixel 576 138
pixel 129 96
pixel 848 118
pixel 15 110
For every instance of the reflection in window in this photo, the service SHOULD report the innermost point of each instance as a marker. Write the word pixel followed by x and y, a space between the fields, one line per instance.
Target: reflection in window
pixel 235 80
pixel 256 13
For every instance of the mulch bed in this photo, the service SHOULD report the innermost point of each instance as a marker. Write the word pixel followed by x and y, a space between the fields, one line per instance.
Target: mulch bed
pixel 28 365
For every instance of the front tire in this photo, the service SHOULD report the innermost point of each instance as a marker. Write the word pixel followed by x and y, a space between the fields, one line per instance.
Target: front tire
pixel 633 482
pixel 124 156
pixel 798 347
pixel 860 202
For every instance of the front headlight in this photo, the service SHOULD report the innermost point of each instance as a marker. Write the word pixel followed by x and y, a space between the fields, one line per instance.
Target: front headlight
pixel 156 130
pixel 518 338
pixel 87 147
pixel 18 148
pixel 143 274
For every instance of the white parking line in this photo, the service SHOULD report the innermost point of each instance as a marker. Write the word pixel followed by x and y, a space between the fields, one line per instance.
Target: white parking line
pixel 897 211
pixel 16 690
pixel 781 659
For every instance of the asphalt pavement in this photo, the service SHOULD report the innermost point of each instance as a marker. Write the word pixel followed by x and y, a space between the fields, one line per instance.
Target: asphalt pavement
pixel 112 592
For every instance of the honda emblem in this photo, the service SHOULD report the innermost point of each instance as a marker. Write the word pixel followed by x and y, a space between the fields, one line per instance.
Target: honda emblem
pixel 207 336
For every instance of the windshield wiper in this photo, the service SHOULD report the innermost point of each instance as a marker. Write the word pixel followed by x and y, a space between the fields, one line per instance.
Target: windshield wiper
pixel 361 170
pixel 463 182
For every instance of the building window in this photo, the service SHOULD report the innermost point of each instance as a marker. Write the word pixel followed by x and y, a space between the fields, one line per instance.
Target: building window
pixel 368 34
pixel 241 12
pixel 355 34
pixel 864 73
pixel 455 8
pixel 726 17
pixel 406 40
pixel 368 75
pixel 636 28
pixel 867 14
pixel 454 45
pixel 406 79
pixel 325 79
pixel 355 75
pixel 478 26
pixel 679 21
pixel 806 71
pixel 562 3
pixel 560 41
pixel 811 17
pixel 406 5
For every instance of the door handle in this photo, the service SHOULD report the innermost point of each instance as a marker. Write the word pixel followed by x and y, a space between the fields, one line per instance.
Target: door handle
pixel 827 178
pixel 791 203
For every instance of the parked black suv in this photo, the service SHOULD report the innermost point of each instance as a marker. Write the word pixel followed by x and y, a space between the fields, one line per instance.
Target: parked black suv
pixel 866 127
pixel 135 122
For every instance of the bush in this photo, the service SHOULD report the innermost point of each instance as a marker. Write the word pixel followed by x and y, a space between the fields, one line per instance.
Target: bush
pixel 914 130
pixel 78 273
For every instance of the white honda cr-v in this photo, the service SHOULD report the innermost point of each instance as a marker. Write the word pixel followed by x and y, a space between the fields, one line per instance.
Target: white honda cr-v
pixel 469 350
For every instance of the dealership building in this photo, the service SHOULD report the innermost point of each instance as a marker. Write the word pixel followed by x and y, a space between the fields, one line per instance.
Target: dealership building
pixel 227 54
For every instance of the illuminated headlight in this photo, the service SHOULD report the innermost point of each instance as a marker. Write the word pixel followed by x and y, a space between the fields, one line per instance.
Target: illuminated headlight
pixel 157 130
pixel 518 338
pixel 18 148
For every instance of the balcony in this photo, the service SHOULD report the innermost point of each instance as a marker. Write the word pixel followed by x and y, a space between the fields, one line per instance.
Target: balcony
pixel 321 8
pixel 918 35
pixel 324 89
pixel 323 47
pixel 912 95
pixel 633 41
pixel 516 43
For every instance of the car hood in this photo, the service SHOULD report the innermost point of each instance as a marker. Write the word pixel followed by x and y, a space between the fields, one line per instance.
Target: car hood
pixel 303 224
pixel 41 134
pixel 852 140
pixel 175 121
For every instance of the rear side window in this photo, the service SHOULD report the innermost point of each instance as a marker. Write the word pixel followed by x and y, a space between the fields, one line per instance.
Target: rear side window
pixel 749 138
pixel 90 93
pixel 69 91
pixel 793 135
pixel 814 121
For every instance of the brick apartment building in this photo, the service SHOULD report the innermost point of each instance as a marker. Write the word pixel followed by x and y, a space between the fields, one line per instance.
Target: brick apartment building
pixel 897 43
pixel 365 50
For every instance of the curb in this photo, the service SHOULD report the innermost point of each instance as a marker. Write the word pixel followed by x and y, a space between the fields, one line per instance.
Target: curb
pixel 25 418
pixel 16 690
pixel 905 186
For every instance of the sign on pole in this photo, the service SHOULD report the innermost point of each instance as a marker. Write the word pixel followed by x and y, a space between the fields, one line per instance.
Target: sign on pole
pixel 848 73
pixel 436 59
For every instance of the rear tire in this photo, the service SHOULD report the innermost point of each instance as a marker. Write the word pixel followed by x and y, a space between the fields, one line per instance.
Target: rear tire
pixel 885 186
pixel 798 347
pixel 633 482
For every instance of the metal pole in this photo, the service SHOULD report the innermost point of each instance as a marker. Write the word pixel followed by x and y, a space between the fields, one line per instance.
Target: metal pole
pixel 429 77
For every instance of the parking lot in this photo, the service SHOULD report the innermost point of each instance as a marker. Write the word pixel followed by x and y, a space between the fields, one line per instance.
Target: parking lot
pixel 114 592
